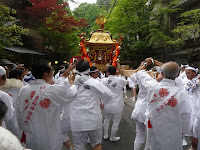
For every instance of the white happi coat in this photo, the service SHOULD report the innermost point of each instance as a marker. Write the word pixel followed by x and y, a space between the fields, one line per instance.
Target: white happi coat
pixel 183 77
pixel 7 99
pixel 131 83
pixel 141 103
pixel 85 113
pixel 115 84
pixel 168 113
pixel 65 109
pixel 12 87
pixel 41 123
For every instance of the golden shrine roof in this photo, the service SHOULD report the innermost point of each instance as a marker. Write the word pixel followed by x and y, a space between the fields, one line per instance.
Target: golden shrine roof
pixel 100 37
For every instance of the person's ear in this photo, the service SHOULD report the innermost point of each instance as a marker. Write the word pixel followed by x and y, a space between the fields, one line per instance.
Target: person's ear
pixel 45 75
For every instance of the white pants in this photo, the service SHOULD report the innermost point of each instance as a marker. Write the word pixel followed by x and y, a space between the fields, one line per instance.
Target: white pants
pixel 140 133
pixel 65 129
pixel 80 138
pixel 116 120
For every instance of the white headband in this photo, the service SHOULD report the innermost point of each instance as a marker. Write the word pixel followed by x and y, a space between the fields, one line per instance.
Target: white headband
pixel 192 68
pixel 94 71
pixel 84 72
pixel 184 66
pixel 2 71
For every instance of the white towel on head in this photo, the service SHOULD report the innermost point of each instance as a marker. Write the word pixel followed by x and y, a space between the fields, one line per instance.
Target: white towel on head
pixel 2 71
pixel 8 140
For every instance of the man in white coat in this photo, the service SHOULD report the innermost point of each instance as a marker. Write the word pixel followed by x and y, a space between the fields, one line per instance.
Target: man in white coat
pixel 65 114
pixel 168 113
pixel 192 87
pixel 114 108
pixel 85 113
pixel 139 111
pixel 12 87
pixel 7 99
pixel 38 108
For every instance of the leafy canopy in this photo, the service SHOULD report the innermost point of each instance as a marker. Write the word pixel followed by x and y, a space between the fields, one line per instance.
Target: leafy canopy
pixel 10 33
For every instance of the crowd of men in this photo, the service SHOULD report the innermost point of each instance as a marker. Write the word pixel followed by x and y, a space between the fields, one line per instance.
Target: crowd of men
pixel 40 109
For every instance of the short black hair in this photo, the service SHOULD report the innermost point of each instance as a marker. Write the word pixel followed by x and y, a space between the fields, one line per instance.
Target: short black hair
pixel 82 65
pixel 14 73
pixel 39 68
pixel 3 109
pixel 3 77
pixel 112 70
pixel 93 68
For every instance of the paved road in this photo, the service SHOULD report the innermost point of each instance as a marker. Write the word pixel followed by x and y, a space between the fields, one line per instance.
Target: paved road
pixel 126 130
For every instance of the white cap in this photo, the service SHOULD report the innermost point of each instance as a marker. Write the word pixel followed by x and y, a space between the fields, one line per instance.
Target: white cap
pixel 2 71
pixel 8 140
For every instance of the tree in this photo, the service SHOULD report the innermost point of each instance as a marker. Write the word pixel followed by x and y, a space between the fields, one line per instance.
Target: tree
pixel 90 12
pixel 159 33
pixel 104 3
pixel 131 18
pixel 41 9
pixel 188 30
pixel 143 25
pixel 58 27
pixel 10 33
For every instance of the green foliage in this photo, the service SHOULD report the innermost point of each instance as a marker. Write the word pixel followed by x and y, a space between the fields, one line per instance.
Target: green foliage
pixel 90 12
pixel 10 33
pixel 188 29
pixel 61 45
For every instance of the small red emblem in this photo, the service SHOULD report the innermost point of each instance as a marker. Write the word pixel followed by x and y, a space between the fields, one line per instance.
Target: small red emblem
pixel 173 102
pixel 163 92
pixel 45 103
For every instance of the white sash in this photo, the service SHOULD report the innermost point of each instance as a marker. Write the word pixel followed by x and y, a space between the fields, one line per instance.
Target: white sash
pixel 161 104
pixel 33 105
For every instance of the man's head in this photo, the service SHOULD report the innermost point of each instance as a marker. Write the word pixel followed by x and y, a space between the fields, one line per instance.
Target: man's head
pixel 111 70
pixel 94 72
pixel 82 66
pixel 170 70
pixel 191 71
pixel 2 76
pixel 42 70
pixel 16 73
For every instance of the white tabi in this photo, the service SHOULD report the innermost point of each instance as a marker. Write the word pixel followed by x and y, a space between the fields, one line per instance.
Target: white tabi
pixel 115 84
pixel 168 114
pixel 85 113
pixel 193 89
pixel 12 87
pixel 38 112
